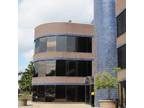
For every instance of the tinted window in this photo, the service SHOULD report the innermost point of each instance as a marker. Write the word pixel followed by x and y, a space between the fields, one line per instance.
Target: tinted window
pixel 71 44
pixel 64 68
pixel 89 68
pixel 36 70
pixel 61 43
pixel 50 93
pixel 45 68
pixel 37 42
pixel 59 93
pixel 82 68
pixel 40 68
pixel 71 68
pixel 84 44
pixel 121 23
pixel 60 68
pixel 50 68
pixel 122 57
pixel 43 45
pixel 85 68
pixel 51 43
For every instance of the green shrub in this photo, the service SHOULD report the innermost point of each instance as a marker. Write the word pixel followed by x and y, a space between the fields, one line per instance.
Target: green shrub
pixel 105 80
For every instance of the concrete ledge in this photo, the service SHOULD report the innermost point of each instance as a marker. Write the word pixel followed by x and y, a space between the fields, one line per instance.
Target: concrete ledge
pixel 64 55
pixel 121 75
pixel 58 80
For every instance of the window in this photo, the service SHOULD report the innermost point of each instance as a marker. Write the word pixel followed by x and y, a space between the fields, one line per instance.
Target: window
pixel 43 45
pixel 50 93
pixel 37 42
pixel 122 56
pixel 89 68
pixel 36 70
pixel 45 68
pixel 50 68
pixel 51 43
pixel 71 68
pixel 121 23
pixel 40 68
pixel 82 68
pixel 84 44
pixel 41 92
pixel 71 44
pixel 60 68
pixel 85 68
pixel 63 68
pixel 40 45
pixel 59 93
pixel 63 43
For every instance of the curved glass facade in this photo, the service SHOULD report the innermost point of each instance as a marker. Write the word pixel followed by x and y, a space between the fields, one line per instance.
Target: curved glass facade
pixel 63 68
pixel 63 43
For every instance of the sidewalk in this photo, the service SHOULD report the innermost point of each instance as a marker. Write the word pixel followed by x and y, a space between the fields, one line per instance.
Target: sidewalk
pixel 57 105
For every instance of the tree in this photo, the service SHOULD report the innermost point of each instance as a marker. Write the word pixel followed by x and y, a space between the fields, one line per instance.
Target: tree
pixel 25 82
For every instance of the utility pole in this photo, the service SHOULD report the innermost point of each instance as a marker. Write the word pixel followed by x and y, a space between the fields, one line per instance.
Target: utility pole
pixel 106 35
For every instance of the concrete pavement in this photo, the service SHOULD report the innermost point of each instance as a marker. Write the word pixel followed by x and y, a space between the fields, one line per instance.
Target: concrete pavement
pixel 56 105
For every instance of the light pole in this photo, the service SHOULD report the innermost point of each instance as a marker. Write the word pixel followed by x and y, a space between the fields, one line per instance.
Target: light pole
pixel 106 51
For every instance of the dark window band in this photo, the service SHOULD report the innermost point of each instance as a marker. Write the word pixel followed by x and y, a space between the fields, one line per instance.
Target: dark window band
pixel 121 23
pixel 63 68
pixel 122 56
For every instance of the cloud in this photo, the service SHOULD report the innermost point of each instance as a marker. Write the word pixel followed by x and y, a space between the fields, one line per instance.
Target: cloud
pixel 35 12
pixel 25 59
pixel 29 55
pixel 26 39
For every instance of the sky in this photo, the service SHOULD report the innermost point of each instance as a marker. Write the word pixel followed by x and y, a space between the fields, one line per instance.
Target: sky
pixel 32 13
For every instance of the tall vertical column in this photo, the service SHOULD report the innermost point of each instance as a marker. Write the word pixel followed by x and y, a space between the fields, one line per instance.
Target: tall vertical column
pixel 106 52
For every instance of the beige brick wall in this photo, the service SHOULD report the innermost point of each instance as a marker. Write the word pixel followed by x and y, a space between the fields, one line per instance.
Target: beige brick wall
pixel 64 28
pixel 120 6
pixel 121 40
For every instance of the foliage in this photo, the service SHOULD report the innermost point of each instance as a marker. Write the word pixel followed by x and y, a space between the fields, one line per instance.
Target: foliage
pixel 105 80
pixel 117 69
pixel 26 78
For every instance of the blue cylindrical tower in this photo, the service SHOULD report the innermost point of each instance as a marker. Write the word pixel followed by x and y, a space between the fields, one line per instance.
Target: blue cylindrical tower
pixel 106 51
